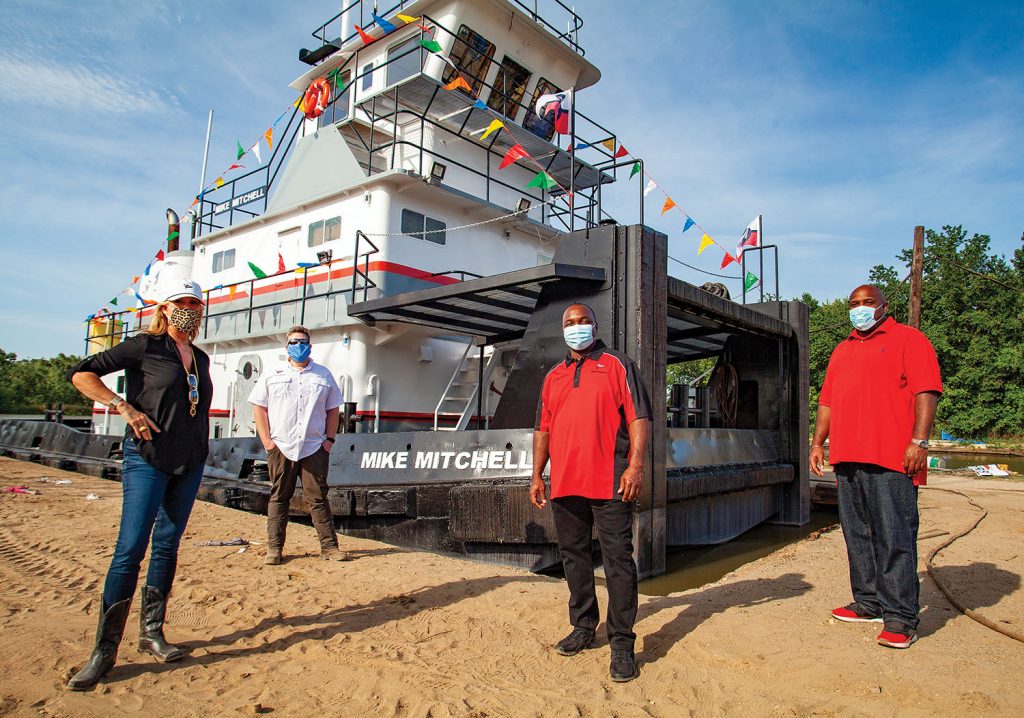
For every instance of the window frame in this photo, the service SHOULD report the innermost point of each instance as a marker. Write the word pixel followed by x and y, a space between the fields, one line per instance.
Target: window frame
pixel 322 225
pixel 532 121
pixel 500 98
pixel 412 40
pixel 223 255
pixel 461 47
pixel 424 225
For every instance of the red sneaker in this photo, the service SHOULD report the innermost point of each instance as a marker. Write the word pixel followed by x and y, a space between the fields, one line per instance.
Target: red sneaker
pixel 893 639
pixel 854 614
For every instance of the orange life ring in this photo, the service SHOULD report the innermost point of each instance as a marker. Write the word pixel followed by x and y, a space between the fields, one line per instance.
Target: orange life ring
pixel 318 94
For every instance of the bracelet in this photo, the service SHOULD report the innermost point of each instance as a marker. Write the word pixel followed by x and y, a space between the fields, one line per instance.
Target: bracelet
pixel 330 439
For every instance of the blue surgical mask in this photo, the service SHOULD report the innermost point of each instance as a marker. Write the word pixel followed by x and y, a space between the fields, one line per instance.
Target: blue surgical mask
pixel 863 318
pixel 579 336
pixel 299 352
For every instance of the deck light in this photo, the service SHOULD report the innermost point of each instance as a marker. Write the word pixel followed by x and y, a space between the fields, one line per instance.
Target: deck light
pixel 437 171
pixel 522 205
pixel 324 257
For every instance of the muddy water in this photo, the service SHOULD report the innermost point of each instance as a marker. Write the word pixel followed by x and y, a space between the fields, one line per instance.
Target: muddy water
pixel 959 461
pixel 695 566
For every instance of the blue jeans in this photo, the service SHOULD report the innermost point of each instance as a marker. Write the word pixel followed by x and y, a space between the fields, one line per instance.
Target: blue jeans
pixel 153 503
pixel 878 511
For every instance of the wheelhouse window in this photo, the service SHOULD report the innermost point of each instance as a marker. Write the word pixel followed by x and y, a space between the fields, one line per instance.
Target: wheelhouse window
pixel 533 123
pixel 404 60
pixel 326 230
pixel 472 53
pixel 223 260
pixel 509 88
pixel 367 74
pixel 420 226
pixel 341 91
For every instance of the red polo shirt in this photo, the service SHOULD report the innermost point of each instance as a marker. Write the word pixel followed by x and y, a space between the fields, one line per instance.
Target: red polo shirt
pixel 586 407
pixel 870 385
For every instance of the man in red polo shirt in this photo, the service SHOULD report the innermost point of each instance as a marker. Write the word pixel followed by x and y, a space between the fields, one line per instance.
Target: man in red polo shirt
pixel 877 404
pixel 593 422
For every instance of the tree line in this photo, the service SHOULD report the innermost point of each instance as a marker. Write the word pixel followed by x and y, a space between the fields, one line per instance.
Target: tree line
pixel 28 385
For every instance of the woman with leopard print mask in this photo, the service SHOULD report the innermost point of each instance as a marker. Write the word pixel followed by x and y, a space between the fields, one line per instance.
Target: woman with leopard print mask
pixel 166 408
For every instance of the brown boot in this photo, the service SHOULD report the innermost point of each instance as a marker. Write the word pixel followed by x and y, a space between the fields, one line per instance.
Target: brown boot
pixel 333 554
pixel 273 557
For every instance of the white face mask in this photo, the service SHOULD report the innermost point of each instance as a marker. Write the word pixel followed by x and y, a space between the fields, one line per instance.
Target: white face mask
pixel 578 336
pixel 863 318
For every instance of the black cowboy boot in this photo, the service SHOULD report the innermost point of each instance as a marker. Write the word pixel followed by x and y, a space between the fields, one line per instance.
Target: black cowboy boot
pixel 104 654
pixel 151 627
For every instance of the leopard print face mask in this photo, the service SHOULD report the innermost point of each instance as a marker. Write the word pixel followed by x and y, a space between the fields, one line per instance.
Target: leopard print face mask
pixel 185 320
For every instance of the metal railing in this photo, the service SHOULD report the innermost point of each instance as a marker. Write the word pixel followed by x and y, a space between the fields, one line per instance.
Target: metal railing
pixel 365 20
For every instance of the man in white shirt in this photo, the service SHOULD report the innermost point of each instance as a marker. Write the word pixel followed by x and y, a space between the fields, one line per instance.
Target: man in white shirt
pixel 296 409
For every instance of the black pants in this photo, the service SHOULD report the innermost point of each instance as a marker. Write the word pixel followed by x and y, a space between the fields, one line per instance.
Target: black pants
pixel 575 518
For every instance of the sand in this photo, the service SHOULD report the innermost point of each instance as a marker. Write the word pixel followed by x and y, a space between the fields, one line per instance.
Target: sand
pixel 402 633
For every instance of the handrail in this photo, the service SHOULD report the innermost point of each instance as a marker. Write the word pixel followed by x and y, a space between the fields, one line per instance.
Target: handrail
pixel 365 272
pixel 568 36
pixel 455 375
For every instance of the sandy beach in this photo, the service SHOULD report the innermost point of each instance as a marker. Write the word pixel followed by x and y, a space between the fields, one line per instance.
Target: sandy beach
pixel 401 633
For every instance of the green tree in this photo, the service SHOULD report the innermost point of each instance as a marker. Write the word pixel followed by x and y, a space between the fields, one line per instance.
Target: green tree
pixel 28 385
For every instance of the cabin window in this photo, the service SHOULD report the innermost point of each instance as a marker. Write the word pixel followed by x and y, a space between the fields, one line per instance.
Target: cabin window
pixel 223 260
pixel 367 76
pixel 533 123
pixel 338 109
pixel 472 54
pixel 326 230
pixel 420 226
pixel 404 60
pixel 509 88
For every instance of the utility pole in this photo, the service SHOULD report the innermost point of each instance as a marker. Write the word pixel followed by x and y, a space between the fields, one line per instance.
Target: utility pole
pixel 916 273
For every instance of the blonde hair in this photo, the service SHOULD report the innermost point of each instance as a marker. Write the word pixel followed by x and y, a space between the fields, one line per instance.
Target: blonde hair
pixel 159 323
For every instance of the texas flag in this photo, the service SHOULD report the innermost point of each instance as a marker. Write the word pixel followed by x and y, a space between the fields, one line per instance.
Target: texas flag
pixel 556 109
pixel 751 236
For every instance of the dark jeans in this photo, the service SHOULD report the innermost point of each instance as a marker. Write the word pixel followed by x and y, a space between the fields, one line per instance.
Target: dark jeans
pixel 153 503
pixel 575 518
pixel 878 510
pixel 283 474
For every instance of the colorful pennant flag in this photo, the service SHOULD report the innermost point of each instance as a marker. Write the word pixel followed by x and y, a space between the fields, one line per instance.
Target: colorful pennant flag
pixel 384 24
pixel 160 256
pixel 669 204
pixel 651 186
pixel 269 137
pixel 135 279
pixel 219 182
pixel 231 291
pixel 689 223
pixel 582 145
pixel 750 281
pixel 705 242
pixel 431 45
pixel 621 152
pixel 280 262
pixel 239 150
pixel 236 166
pixel 406 18
pixel 194 203
pixel 515 152
pixel 609 143
pixel 727 260
pixel 113 301
pixel 173 236
pixel 479 105
pixel 543 180
pixel 493 127
pixel 367 39
pixel 459 84
pixel 635 171
pixel 260 274
pixel 255 149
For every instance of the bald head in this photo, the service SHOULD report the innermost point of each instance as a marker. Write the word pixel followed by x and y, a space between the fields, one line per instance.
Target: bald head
pixel 578 314
pixel 867 295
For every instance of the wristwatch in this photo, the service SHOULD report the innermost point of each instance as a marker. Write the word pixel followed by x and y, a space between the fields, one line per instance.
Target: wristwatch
pixel 114 403
pixel 923 443
pixel 330 439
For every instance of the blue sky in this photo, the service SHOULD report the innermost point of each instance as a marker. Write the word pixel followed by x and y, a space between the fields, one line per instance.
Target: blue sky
pixel 844 124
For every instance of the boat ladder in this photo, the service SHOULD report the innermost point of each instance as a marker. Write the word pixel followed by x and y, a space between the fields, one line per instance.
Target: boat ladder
pixel 460 396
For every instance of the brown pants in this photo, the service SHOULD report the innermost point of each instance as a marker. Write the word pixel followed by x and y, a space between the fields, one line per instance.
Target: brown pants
pixel 283 473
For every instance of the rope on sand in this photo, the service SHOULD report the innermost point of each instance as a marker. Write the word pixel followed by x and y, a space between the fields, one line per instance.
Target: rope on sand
pixel 969 612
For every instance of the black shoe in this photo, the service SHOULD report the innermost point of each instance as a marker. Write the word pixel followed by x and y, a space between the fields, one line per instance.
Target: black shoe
pixel 151 627
pixel 104 653
pixel 623 666
pixel 575 642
